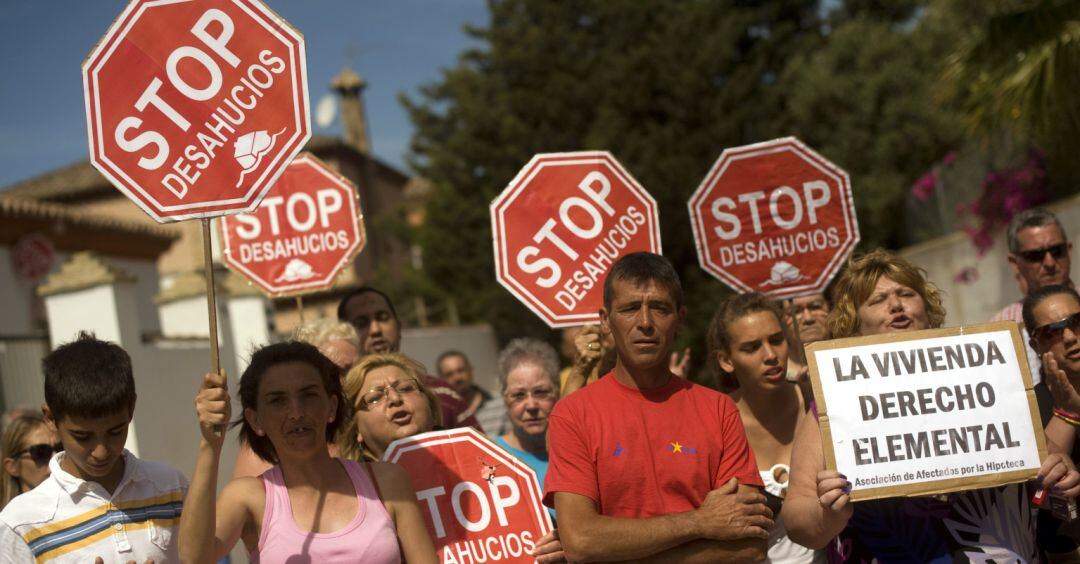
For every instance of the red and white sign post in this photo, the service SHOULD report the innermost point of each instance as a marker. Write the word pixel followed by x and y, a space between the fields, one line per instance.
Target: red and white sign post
pixel 560 225
pixel 193 109
pixel 302 235
pixel 479 502
pixel 775 218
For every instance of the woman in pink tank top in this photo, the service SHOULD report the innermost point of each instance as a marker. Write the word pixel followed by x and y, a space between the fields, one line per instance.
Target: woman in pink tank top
pixel 309 507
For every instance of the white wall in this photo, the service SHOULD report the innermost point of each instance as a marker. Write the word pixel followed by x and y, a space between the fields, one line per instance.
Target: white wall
pixel 247 332
pixel 476 341
pixel 16 299
pixel 20 372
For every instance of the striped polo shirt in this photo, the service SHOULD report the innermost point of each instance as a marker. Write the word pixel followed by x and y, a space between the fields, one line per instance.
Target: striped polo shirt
pixel 66 519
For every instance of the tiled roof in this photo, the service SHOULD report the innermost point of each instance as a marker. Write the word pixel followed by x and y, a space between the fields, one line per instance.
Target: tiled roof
pixel 11 206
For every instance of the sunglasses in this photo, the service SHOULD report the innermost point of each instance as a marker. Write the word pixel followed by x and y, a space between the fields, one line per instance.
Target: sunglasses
pixel 40 454
pixel 1051 332
pixel 1036 255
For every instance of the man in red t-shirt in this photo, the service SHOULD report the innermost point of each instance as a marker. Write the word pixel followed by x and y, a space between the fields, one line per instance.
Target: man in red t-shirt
pixel 646 465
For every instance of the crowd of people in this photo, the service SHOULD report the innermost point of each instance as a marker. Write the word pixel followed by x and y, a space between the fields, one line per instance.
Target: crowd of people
pixel 637 462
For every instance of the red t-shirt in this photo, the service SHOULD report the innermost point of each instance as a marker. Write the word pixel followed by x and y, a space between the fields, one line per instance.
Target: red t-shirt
pixel 646 453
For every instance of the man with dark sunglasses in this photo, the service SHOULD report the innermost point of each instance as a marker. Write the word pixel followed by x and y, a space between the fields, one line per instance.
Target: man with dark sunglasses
pixel 1039 255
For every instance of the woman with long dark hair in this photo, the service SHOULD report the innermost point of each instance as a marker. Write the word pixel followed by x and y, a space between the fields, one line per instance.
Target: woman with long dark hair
pixel 308 507
pixel 750 351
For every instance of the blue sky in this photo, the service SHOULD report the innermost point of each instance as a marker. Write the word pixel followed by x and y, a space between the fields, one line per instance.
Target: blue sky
pixel 396 45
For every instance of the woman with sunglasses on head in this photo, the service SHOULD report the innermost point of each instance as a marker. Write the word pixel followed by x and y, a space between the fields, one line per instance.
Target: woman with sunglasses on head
pixel 28 445
pixel 1052 317
pixel 748 345
pixel 882 293
pixel 309 507
pixel 391 402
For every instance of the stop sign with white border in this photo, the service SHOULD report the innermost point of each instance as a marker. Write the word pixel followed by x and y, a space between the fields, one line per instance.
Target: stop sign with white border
pixel 774 217
pixel 304 233
pixel 479 502
pixel 559 226
pixel 194 108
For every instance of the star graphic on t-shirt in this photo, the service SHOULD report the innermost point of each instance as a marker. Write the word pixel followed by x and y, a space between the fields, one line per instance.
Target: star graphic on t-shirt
pixel 676 447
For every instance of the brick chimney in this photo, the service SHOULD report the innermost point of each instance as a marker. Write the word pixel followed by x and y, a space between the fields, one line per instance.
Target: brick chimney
pixel 349 86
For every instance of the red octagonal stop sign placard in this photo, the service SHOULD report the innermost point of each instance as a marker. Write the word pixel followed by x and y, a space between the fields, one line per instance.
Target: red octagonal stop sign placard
pixel 560 225
pixel 479 502
pixel 194 108
pixel 775 218
pixel 304 233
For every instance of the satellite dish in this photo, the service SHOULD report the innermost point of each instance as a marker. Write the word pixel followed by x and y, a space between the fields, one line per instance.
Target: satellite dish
pixel 325 111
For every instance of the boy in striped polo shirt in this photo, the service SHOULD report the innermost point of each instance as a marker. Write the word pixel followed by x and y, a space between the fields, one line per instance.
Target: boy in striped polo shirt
pixel 100 501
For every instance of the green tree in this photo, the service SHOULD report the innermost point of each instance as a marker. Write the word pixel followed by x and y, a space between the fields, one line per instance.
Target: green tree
pixel 1014 69
pixel 868 106
pixel 665 88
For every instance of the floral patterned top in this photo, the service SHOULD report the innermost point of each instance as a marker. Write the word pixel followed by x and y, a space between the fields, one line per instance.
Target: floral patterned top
pixel 987 525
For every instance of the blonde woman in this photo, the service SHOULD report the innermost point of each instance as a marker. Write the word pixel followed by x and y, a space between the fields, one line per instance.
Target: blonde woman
pixel 28 446
pixel 882 293
pixel 390 401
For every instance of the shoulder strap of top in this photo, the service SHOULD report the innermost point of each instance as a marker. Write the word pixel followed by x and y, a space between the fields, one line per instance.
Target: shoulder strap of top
pixel 374 482
pixel 272 486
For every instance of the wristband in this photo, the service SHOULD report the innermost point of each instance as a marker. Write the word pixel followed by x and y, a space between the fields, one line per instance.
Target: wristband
pixel 1070 418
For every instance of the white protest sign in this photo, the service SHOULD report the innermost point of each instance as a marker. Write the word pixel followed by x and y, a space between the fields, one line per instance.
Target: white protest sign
pixel 928 411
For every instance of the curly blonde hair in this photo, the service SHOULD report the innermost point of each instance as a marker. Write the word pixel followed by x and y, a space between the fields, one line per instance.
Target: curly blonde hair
pixel 320 331
pixel 349 445
pixel 861 276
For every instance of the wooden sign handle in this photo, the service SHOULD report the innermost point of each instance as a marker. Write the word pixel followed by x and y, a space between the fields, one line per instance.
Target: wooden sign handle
pixel 211 300
pixel 211 305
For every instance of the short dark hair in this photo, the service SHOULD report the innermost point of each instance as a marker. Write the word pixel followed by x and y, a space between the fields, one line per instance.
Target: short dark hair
pixel 1034 217
pixel 450 354
pixel 641 268
pixel 360 292
pixel 280 353
pixel 1036 297
pixel 88 378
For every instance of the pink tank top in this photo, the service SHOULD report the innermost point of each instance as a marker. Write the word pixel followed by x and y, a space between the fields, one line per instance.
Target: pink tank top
pixel 369 537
